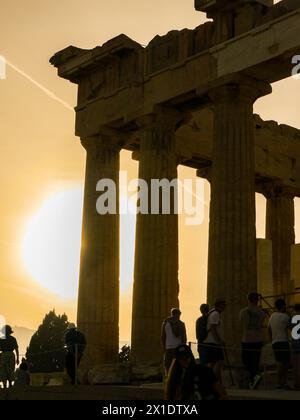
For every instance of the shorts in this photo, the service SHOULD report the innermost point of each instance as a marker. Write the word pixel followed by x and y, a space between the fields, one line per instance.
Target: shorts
pixel 282 352
pixel 213 353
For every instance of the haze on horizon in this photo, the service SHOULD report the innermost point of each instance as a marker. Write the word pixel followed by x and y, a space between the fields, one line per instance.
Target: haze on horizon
pixel 40 156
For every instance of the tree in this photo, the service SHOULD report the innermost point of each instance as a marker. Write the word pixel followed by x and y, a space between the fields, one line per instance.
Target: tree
pixel 46 353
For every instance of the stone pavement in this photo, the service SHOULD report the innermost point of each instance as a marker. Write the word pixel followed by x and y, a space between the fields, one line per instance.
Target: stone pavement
pixel 151 392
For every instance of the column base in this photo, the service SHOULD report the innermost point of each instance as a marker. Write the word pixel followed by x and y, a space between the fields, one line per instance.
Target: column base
pixel 147 372
pixel 106 374
pixel 120 374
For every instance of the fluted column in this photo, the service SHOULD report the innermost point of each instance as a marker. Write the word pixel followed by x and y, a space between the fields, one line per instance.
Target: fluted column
pixel 280 229
pixel 156 286
pixel 232 269
pixel 98 302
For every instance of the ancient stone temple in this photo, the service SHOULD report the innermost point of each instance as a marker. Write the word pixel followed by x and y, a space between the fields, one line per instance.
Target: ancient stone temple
pixel 187 98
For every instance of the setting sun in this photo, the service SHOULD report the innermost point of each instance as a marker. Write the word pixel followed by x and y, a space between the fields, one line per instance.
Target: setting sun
pixel 51 244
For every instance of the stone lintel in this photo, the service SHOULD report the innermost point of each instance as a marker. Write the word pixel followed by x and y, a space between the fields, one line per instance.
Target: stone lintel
pixel 256 55
pixel 205 172
pixel 215 6
pixel 277 148
pixel 253 54
pixel 267 187
pixel 249 86
pixel 66 55
pixel 162 115
pixel 276 188
pixel 72 62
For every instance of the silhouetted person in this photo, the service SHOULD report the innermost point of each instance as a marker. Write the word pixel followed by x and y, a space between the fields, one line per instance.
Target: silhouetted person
pixel 75 344
pixel 22 375
pixel 9 350
pixel 279 332
pixel 173 334
pixel 188 381
pixel 214 343
pixel 252 320
pixel 201 332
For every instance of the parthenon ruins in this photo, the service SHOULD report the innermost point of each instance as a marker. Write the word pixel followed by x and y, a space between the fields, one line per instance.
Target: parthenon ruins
pixel 186 99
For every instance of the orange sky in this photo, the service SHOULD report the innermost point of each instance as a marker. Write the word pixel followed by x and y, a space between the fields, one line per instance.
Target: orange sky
pixel 40 154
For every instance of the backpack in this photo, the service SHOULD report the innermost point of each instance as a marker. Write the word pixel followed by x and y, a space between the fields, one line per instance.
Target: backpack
pixel 201 327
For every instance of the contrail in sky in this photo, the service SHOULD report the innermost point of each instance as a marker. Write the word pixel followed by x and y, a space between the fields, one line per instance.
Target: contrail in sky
pixel 41 87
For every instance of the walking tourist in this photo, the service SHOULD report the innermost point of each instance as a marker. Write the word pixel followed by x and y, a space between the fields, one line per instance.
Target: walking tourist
pixel 214 343
pixel 173 334
pixel 279 332
pixel 9 357
pixel 201 331
pixel 252 320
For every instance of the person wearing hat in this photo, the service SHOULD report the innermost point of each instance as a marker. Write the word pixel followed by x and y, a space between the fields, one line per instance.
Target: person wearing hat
pixel 173 334
pixel 9 356
pixel 188 381
pixel 252 320
pixel 214 343
pixel 75 344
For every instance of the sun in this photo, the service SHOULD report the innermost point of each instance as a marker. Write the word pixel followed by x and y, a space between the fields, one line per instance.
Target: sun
pixel 52 240
pixel 51 243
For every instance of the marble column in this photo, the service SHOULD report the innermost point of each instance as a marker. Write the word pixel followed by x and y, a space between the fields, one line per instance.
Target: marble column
pixel 232 271
pixel 98 301
pixel 280 229
pixel 156 286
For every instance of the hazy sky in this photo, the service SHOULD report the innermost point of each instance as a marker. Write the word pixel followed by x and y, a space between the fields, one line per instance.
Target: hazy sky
pixel 40 154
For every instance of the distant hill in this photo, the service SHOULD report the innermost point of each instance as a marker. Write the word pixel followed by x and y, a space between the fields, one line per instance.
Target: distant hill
pixel 23 336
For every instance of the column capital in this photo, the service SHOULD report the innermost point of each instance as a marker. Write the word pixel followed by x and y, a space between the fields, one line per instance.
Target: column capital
pixel 163 118
pixel 106 139
pixel 276 189
pixel 205 173
pixel 238 88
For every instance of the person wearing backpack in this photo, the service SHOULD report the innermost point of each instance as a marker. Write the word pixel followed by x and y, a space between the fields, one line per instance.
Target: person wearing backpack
pixel 201 332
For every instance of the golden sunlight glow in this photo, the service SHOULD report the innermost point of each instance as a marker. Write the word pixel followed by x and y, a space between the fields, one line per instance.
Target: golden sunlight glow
pixel 51 244
pixel 127 244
